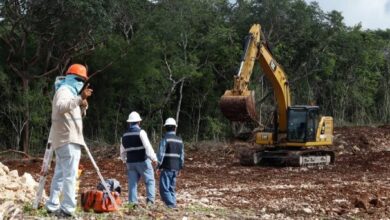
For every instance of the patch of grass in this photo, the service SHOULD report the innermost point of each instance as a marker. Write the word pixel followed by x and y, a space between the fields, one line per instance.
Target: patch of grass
pixel 205 210
pixel 128 206
pixel 192 211
pixel 28 210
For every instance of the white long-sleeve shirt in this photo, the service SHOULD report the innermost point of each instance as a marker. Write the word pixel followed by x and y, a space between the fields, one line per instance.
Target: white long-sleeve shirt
pixel 146 143
pixel 66 119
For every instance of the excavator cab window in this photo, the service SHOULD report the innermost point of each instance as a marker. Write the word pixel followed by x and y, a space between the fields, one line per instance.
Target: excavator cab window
pixel 302 123
pixel 312 124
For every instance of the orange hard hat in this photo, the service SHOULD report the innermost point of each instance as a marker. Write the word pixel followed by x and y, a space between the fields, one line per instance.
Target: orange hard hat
pixel 78 69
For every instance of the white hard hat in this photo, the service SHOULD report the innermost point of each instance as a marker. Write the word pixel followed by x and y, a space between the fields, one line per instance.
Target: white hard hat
pixel 134 117
pixel 170 121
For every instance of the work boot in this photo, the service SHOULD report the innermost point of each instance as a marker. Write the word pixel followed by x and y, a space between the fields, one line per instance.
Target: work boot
pixel 62 214
pixel 50 211
pixel 132 206
pixel 149 204
pixel 172 207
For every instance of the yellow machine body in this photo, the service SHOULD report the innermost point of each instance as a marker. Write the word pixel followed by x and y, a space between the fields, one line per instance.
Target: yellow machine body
pixel 238 104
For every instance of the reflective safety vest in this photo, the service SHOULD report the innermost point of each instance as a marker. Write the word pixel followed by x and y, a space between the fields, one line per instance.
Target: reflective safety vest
pixel 173 149
pixel 134 148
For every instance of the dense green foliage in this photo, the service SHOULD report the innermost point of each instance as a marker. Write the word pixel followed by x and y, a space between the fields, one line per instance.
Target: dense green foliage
pixel 176 58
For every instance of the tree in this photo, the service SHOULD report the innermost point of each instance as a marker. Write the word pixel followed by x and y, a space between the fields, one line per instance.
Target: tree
pixel 39 43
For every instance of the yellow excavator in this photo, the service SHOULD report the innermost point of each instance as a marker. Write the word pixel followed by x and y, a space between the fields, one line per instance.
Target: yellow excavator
pixel 299 135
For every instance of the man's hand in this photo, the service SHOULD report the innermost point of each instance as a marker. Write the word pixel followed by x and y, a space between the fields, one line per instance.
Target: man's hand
pixel 154 163
pixel 84 103
pixel 87 92
pixel 158 171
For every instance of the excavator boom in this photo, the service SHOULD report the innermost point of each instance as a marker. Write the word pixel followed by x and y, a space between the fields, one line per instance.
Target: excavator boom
pixel 238 104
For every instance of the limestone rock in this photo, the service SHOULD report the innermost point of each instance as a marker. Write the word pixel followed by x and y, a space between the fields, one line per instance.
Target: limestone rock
pixel 13 174
pixel 307 210
pixel 204 200
pixel 12 186
pixel 28 180
pixel 17 189
pixel 4 168
pixel 356 148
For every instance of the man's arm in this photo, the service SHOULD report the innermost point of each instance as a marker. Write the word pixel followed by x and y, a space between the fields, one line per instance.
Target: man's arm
pixel 161 152
pixel 122 152
pixel 84 107
pixel 182 157
pixel 66 101
pixel 148 147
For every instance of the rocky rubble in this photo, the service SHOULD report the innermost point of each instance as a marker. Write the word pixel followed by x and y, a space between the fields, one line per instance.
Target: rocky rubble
pixel 15 190
pixel 361 139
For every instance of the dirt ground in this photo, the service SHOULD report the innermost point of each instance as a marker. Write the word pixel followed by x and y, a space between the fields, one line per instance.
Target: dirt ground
pixel 214 185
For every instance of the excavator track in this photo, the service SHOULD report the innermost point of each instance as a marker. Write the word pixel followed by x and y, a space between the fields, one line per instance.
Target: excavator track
pixel 289 157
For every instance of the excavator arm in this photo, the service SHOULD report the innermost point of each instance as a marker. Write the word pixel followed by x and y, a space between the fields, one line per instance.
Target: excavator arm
pixel 238 104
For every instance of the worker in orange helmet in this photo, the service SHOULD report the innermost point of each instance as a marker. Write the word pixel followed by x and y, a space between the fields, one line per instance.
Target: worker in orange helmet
pixel 66 138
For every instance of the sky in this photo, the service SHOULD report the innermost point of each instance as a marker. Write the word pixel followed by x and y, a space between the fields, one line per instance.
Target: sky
pixel 373 14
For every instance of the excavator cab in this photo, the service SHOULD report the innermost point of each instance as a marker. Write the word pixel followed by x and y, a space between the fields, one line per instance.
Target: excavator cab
pixel 302 123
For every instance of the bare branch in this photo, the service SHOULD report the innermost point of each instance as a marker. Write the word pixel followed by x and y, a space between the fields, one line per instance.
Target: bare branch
pixel 168 67
pixel 179 104
pixel 16 70
pixel 18 152
pixel 12 122
pixel 48 72
pixel 110 63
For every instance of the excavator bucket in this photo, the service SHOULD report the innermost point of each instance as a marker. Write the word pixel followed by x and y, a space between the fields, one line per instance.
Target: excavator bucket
pixel 238 107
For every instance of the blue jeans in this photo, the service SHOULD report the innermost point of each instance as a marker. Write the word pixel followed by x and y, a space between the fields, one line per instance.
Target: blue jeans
pixel 134 172
pixel 64 179
pixel 168 187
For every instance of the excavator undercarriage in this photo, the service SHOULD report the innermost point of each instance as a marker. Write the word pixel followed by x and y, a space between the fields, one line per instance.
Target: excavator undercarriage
pixel 286 157
pixel 294 157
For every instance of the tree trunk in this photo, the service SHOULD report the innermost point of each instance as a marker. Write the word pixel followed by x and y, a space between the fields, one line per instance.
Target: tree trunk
pixel 179 104
pixel 198 121
pixel 26 114
pixel 117 121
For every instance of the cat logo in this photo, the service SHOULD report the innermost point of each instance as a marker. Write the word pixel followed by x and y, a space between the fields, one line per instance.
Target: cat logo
pixel 272 64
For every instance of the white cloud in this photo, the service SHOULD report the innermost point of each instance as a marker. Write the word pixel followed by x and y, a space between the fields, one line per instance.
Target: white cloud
pixel 373 14
pixel 387 7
